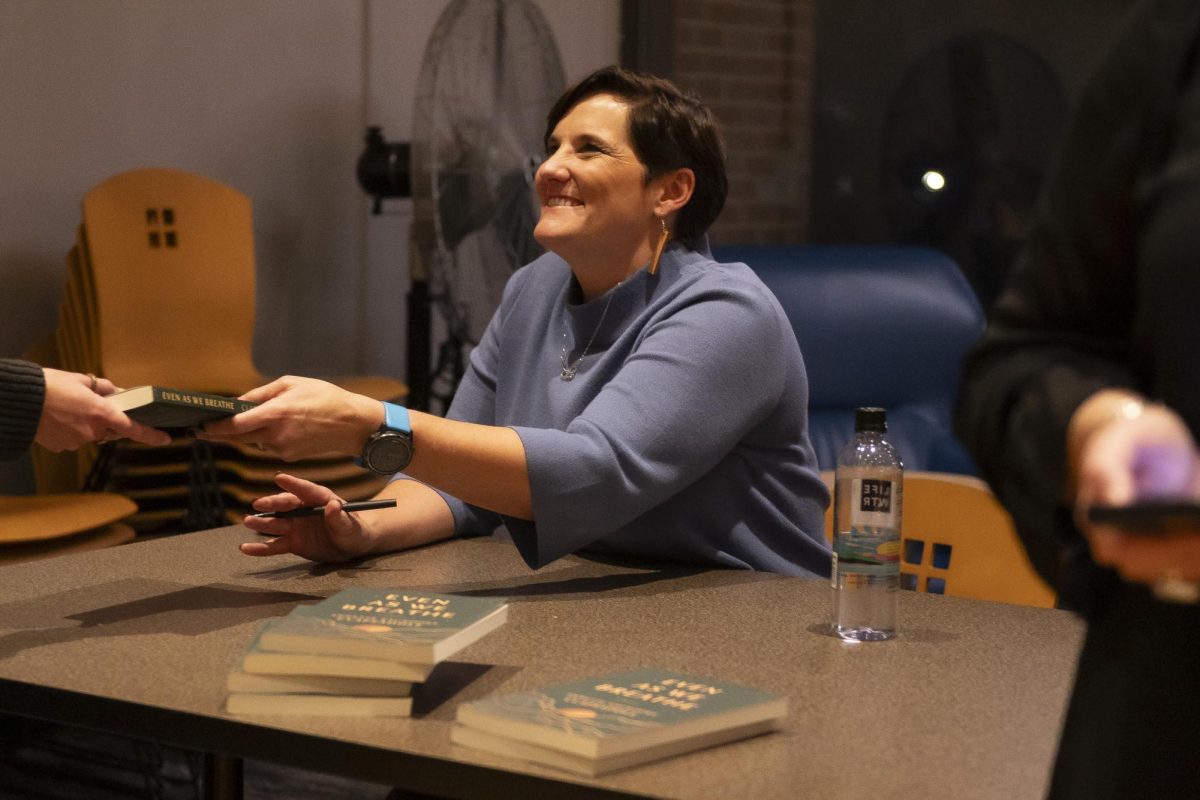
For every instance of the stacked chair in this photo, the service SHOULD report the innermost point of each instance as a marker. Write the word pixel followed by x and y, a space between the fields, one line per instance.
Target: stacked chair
pixel 44 525
pixel 160 290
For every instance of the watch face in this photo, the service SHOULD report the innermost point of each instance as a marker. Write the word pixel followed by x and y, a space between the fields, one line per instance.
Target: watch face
pixel 388 452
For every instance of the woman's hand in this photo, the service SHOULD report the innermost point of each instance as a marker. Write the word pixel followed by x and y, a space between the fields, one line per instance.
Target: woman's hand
pixel 1141 452
pixel 335 536
pixel 300 418
pixel 75 413
pixel 421 517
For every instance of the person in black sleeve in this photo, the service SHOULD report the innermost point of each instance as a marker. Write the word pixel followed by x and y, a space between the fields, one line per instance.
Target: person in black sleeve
pixel 60 411
pixel 1086 390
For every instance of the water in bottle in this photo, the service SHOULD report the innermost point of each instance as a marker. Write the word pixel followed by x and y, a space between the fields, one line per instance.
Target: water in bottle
pixel 868 497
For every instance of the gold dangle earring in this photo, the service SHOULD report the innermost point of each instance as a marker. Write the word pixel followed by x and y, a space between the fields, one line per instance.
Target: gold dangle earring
pixel 658 250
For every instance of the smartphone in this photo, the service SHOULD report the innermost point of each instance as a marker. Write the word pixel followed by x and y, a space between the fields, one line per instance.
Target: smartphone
pixel 1149 516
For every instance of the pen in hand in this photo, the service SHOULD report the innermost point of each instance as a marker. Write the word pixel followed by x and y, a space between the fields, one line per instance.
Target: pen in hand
pixel 316 511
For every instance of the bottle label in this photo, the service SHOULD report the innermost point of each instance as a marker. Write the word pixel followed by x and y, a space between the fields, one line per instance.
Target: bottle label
pixel 874 496
pixel 870 543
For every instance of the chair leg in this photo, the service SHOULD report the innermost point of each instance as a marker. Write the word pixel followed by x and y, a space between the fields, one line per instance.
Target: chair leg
pixel 221 777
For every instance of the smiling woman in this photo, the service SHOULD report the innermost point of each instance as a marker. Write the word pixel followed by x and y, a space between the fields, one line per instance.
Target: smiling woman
pixel 630 395
pixel 602 209
pixel 599 204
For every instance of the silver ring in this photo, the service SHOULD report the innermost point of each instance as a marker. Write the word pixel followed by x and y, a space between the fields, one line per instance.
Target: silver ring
pixel 1174 588
pixel 262 447
pixel 92 381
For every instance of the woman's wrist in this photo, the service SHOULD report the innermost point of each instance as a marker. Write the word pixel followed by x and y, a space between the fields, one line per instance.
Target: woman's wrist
pixel 368 526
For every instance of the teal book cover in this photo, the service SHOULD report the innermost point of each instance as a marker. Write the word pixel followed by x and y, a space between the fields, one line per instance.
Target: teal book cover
pixel 394 624
pixel 655 712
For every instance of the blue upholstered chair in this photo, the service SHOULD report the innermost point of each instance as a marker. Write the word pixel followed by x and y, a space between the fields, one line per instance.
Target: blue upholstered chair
pixel 878 326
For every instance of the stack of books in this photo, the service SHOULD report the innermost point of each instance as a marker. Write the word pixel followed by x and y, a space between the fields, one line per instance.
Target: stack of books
pixel 357 653
pixel 610 722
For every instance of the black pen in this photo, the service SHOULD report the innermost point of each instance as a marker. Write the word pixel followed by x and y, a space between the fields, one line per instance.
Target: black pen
pixel 316 511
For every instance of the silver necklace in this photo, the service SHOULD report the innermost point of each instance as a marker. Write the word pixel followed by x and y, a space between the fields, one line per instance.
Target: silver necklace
pixel 568 370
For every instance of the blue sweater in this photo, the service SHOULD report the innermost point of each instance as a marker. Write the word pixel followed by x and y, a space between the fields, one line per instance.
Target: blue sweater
pixel 683 436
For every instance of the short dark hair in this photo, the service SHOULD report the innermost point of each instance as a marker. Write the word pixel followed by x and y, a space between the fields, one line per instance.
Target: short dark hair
pixel 668 129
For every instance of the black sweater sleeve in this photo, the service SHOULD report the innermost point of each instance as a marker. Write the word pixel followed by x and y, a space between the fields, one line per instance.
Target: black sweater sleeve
pixel 22 391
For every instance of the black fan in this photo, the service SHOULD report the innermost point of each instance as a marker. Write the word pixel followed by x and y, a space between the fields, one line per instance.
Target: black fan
pixel 965 148
pixel 490 73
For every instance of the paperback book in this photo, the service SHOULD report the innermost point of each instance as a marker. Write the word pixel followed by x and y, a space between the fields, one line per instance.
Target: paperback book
pixel 239 681
pixel 297 683
pixel 258 661
pixel 386 624
pixel 600 724
pixel 318 705
pixel 160 407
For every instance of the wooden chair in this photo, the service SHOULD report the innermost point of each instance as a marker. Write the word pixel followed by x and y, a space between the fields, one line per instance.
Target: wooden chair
pixel 171 258
pixel 957 539
pixel 160 290
pixel 41 526
pixel 165 264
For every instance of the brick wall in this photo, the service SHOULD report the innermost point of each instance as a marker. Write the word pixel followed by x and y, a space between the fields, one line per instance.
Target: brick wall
pixel 751 62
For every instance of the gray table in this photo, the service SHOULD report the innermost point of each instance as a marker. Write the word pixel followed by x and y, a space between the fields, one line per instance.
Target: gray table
pixel 966 703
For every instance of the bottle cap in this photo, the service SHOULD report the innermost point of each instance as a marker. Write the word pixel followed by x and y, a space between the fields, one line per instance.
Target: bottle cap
pixel 870 420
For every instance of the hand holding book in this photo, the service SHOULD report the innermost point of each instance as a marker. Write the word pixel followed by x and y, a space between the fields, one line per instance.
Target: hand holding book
pixel 76 410
pixel 301 418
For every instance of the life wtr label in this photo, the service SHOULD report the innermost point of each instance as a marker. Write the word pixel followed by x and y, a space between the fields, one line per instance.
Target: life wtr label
pixel 870 543
pixel 875 495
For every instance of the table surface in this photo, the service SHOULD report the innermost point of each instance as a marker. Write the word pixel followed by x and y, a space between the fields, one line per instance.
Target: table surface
pixel 967 701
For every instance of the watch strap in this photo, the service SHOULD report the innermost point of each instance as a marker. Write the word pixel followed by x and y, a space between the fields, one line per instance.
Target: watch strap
pixel 395 418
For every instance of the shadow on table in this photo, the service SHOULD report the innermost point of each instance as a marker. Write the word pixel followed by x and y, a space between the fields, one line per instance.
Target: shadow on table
pixel 592 577
pixel 137 607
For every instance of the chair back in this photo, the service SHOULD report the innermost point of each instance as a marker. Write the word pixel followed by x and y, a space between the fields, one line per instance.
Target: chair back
pixel 878 326
pixel 171 258
pixel 161 290
pixel 957 539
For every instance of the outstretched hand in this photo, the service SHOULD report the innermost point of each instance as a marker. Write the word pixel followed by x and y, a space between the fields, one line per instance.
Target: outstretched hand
pixel 333 537
pixel 300 418
pixel 75 413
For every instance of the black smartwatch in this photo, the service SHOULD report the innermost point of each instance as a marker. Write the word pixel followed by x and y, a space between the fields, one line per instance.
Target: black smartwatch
pixel 389 449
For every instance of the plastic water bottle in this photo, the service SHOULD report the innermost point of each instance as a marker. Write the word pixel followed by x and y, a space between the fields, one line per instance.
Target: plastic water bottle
pixel 868 497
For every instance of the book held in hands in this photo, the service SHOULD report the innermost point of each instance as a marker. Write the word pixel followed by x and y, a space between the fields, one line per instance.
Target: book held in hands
pixel 164 408
pixel 600 724
pixel 357 653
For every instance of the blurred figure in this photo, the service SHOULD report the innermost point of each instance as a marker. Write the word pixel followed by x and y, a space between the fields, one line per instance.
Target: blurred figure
pixel 1086 390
